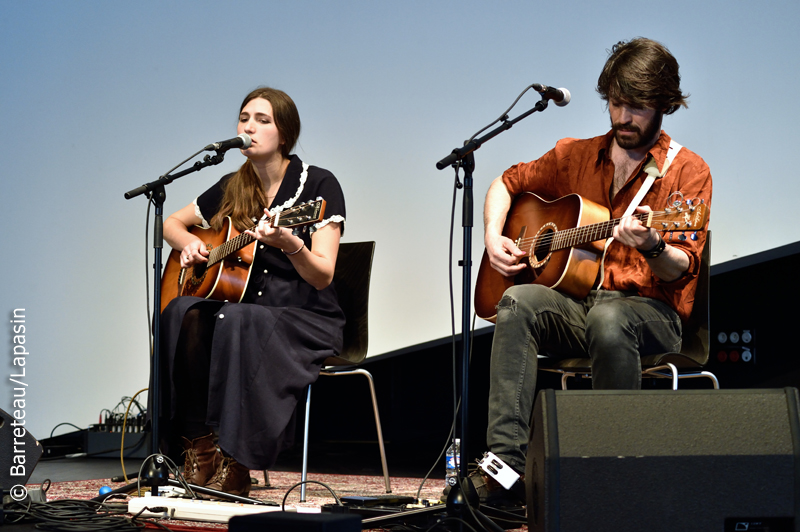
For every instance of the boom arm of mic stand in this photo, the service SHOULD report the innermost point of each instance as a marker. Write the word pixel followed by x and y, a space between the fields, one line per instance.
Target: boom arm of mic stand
pixel 158 195
pixel 459 153
pixel 166 179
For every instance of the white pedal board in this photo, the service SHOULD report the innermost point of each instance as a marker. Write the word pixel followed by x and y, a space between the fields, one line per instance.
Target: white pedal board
pixel 193 509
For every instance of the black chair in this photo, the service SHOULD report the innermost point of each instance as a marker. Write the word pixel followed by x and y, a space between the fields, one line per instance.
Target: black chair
pixel 688 363
pixel 351 278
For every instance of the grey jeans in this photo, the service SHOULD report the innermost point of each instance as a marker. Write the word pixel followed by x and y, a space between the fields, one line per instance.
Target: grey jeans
pixel 613 328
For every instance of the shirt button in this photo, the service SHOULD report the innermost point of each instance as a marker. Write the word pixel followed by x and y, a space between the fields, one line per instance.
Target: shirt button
pixel 261 246
pixel 221 316
pixel 259 293
pixel 265 271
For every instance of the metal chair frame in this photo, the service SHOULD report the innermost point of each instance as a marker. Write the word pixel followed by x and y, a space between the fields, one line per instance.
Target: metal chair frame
pixel 351 279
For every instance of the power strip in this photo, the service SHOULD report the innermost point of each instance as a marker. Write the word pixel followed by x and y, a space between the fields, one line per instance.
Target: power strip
pixel 194 509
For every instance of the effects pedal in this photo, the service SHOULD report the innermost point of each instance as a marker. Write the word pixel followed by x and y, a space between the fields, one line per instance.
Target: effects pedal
pixel 498 470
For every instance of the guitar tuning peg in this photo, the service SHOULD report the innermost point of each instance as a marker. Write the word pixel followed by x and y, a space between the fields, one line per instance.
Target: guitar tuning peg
pixel 296 231
pixel 319 198
pixel 670 236
pixel 682 236
pixel 694 236
pixel 312 230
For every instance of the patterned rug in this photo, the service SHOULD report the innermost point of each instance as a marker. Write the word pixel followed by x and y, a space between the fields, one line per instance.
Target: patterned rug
pixel 279 485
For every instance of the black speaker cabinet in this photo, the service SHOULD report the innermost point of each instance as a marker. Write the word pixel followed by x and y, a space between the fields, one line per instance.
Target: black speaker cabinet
pixel 19 451
pixel 691 460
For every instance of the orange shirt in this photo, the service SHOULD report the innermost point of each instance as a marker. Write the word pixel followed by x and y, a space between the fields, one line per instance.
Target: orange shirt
pixel 583 166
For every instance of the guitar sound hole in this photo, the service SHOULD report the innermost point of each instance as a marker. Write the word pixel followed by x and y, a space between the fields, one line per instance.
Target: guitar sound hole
pixel 198 273
pixel 542 246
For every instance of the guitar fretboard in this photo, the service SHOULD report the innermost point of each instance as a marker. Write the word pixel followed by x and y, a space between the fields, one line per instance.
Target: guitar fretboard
pixel 230 246
pixel 669 220
pixel 299 215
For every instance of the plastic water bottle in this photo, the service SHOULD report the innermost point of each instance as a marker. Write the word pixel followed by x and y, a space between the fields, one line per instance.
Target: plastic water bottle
pixel 452 462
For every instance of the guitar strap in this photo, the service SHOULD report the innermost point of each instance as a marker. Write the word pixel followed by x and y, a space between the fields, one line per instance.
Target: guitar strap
pixel 651 169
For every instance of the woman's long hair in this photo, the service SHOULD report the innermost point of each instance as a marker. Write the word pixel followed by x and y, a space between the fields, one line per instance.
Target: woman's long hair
pixel 244 196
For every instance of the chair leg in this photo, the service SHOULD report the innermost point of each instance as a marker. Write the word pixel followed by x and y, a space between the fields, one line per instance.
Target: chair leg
pixel 368 375
pixel 706 374
pixel 674 371
pixel 304 474
pixel 658 371
pixel 710 376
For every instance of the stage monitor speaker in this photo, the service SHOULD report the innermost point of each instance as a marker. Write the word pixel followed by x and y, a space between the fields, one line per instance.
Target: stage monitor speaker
pixel 295 522
pixel 689 460
pixel 19 451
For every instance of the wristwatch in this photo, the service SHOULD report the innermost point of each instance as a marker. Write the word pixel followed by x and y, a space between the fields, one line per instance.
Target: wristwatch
pixel 655 251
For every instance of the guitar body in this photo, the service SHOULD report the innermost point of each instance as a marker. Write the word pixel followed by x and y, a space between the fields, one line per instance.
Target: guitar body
pixel 224 281
pixel 534 220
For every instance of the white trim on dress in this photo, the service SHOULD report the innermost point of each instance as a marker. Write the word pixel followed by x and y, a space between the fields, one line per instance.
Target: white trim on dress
pixel 290 202
pixel 204 224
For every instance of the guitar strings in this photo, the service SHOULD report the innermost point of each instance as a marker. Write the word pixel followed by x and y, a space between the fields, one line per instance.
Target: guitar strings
pixel 566 238
pixel 239 241
pixel 242 239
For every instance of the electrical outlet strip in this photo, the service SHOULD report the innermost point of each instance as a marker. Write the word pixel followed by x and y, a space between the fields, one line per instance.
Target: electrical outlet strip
pixel 498 470
pixel 193 509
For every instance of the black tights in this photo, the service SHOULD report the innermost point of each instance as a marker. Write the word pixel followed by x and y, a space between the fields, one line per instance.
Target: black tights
pixel 192 368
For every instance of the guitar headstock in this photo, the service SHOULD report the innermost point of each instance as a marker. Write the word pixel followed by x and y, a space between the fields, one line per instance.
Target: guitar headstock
pixel 689 215
pixel 299 215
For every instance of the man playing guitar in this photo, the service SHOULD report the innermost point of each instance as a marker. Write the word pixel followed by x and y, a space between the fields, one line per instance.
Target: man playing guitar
pixel 646 277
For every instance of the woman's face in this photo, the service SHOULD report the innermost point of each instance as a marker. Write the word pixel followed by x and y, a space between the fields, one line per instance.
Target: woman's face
pixel 256 120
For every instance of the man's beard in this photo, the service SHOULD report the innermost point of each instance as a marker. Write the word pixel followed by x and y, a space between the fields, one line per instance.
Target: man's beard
pixel 642 138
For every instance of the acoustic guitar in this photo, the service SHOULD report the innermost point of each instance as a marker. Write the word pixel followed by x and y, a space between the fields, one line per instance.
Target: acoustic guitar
pixel 564 242
pixel 224 277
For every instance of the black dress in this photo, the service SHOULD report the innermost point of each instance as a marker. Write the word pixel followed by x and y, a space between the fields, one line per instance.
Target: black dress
pixel 268 348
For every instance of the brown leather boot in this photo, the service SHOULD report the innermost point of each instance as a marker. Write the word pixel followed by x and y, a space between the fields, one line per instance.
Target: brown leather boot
pixel 202 460
pixel 232 477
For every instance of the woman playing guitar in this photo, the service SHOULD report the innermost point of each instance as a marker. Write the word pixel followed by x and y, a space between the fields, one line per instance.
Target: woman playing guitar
pixel 237 367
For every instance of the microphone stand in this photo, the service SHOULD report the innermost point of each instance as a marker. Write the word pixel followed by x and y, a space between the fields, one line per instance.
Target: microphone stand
pixel 157 194
pixel 464 158
pixel 463 500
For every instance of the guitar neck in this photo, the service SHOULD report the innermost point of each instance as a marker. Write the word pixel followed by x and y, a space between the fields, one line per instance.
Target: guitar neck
pixel 576 236
pixel 233 245
pixel 298 216
pixel 670 220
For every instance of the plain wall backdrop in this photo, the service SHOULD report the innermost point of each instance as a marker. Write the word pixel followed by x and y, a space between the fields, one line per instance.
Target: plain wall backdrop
pixel 97 98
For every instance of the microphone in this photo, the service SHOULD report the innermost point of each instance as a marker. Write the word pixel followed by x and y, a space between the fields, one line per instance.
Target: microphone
pixel 561 96
pixel 242 141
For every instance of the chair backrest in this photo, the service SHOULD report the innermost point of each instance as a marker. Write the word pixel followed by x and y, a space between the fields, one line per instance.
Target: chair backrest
pixel 351 279
pixel 696 336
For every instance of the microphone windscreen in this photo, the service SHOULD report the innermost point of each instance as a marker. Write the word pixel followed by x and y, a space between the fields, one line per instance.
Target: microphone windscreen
pixel 566 99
